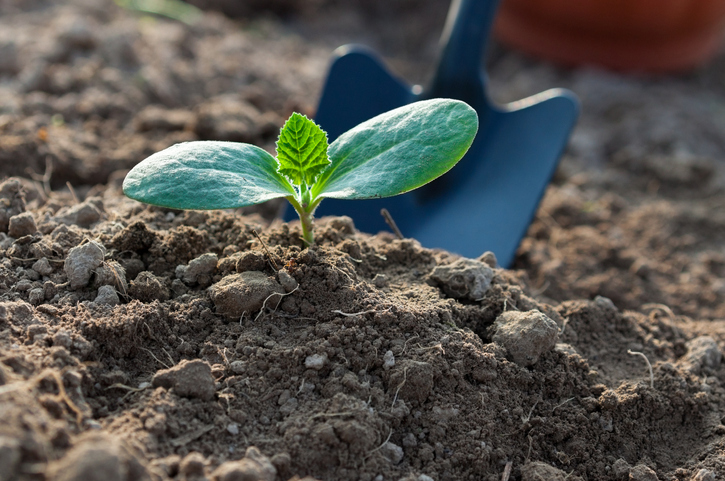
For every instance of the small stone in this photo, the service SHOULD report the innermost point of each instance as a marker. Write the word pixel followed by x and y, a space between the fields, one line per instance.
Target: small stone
pixel 83 215
pixel 42 266
pixel 464 279
pixel 238 367
pixel 642 472
pixel 388 360
pixel 254 466
pixel 702 352
pixel 107 295
pixel 605 303
pixel 81 262
pixel 316 361
pixel 525 335
pixel 233 429
pixel 36 296
pixel 287 281
pixel 392 452
pixel 250 261
pixel 245 293
pixel 409 440
pixel 380 280
pixel 204 265
pixel 21 225
pixel 192 379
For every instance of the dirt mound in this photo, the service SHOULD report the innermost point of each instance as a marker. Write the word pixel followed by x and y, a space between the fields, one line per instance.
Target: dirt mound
pixel 146 343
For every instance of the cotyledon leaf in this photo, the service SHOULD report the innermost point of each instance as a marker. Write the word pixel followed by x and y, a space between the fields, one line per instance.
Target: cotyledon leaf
pixel 302 150
pixel 398 151
pixel 207 175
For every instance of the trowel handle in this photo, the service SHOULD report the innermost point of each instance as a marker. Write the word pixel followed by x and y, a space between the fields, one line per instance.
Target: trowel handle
pixel 466 32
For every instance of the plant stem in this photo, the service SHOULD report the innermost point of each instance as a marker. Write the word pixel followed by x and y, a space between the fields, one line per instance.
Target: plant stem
pixel 305 214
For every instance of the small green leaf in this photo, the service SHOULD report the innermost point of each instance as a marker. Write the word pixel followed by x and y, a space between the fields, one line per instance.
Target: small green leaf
pixel 207 175
pixel 398 151
pixel 302 150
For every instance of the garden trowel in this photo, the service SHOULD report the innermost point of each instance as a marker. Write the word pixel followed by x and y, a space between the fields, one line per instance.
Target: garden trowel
pixel 487 201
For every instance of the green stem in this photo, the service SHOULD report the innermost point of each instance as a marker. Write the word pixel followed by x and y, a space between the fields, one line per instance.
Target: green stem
pixel 306 215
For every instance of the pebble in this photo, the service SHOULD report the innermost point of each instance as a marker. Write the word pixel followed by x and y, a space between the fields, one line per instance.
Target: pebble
pixel 287 281
pixel 107 295
pixel 36 296
pixel 192 379
pixel 204 265
pixel 21 225
pixel 81 262
pixel 392 452
pixel 464 279
pixel 525 335
pixel 316 361
pixel 245 293
pixel 84 214
pixel 702 352
pixel 42 266
pixel 388 360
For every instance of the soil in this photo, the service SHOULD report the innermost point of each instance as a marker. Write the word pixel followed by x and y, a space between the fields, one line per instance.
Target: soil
pixel 146 343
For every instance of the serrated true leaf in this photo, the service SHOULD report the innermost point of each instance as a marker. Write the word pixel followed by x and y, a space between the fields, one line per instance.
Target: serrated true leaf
pixel 398 151
pixel 207 175
pixel 302 150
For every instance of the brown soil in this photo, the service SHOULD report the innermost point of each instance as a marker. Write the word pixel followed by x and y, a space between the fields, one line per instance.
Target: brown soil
pixel 147 343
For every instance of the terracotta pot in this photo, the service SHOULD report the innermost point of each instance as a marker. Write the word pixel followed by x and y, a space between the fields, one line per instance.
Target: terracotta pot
pixel 639 35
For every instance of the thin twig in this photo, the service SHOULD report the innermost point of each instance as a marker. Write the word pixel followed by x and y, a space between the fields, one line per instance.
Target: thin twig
pixel 72 192
pixel 562 403
pixel 405 378
pixel 264 304
pixel 264 246
pixel 381 446
pixel 391 223
pixel 353 314
pixel 507 471
pixel 649 366
pixel 654 306
pixel 157 359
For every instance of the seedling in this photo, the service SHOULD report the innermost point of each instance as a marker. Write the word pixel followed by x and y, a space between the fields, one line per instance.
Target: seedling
pixel 390 154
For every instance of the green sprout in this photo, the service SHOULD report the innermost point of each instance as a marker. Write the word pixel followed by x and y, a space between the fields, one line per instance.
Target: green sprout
pixel 390 154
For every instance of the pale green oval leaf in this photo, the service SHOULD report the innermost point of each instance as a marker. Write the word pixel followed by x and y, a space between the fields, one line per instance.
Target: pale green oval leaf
pixel 398 151
pixel 302 150
pixel 207 175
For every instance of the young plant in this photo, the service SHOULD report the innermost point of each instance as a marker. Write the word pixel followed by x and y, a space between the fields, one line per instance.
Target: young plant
pixel 390 154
